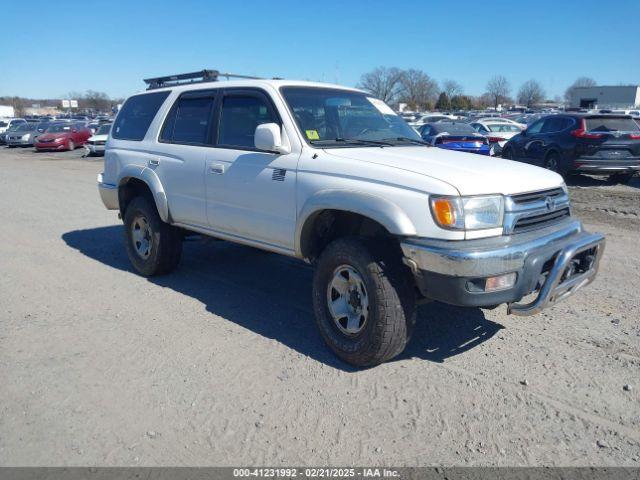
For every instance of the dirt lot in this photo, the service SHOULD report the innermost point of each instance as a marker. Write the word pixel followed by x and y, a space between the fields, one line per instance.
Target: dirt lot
pixel 220 363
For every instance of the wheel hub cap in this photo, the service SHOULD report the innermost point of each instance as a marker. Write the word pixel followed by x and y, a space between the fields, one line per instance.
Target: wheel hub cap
pixel 142 236
pixel 348 300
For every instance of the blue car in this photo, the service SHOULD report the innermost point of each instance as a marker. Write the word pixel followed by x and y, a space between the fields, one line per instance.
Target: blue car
pixel 458 136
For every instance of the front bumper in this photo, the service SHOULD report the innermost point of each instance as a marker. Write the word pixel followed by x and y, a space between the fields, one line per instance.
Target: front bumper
pixel 93 148
pixel 552 263
pixel 18 143
pixel 50 146
pixel 108 194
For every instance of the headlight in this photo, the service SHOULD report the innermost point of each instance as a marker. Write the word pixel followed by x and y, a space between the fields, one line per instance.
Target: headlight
pixel 25 137
pixel 468 213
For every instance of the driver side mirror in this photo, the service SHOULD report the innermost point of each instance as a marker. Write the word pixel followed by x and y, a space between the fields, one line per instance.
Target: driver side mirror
pixel 524 132
pixel 268 137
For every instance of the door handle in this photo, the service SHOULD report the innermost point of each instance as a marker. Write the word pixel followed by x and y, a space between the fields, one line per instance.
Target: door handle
pixel 154 162
pixel 217 168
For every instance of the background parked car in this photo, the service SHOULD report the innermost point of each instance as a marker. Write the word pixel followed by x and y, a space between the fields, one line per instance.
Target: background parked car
pixel 24 135
pixel 63 136
pixel 7 124
pixel 498 133
pixel 509 121
pixel 458 136
pixel 567 143
pixel 96 143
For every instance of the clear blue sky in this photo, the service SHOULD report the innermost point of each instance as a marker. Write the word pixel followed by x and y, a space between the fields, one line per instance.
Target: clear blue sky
pixel 49 49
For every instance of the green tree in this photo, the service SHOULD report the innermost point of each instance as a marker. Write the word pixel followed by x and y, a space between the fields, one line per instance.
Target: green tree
pixel 443 102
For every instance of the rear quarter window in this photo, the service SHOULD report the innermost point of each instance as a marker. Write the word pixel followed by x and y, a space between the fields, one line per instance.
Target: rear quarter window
pixel 136 115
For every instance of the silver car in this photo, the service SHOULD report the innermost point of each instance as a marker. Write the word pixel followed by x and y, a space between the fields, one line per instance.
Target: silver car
pixel 23 136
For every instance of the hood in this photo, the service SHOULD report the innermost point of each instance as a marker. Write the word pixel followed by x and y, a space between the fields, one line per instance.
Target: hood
pixel 469 173
pixel 51 136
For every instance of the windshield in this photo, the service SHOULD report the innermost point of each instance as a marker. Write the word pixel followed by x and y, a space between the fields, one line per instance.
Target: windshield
pixel 333 117
pixel 104 130
pixel 24 127
pixel 59 128
pixel 611 124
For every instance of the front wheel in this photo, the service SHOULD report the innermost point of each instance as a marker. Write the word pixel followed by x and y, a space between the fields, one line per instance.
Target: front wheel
pixel 153 246
pixel 363 300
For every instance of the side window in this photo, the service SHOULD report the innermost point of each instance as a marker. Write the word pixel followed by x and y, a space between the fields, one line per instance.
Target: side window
pixel 188 121
pixel 136 115
pixel 552 124
pixel 239 117
pixel 535 127
pixel 426 131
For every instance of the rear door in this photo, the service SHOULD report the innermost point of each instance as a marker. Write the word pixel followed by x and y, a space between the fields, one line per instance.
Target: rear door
pixel 184 140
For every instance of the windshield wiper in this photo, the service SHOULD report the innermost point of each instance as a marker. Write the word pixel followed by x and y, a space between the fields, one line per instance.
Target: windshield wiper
pixel 354 141
pixel 411 140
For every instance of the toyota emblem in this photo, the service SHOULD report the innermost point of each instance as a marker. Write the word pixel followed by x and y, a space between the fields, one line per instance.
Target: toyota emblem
pixel 550 203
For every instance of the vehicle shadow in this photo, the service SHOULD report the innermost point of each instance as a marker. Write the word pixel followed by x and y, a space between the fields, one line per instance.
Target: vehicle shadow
pixel 270 295
pixel 589 181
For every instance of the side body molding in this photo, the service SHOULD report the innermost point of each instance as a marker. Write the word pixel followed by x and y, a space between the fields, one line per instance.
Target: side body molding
pixel 149 177
pixel 383 211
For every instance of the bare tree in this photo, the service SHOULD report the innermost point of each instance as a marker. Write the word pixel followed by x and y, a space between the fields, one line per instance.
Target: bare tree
pixel 383 83
pixel 498 89
pixel 418 90
pixel 451 88
pixel 580 82
pixel 530 93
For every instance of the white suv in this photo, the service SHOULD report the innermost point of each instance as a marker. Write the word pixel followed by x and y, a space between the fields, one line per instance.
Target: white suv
pixel 334 177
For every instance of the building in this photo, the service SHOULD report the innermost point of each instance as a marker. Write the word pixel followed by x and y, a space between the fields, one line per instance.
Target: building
pixel 619 97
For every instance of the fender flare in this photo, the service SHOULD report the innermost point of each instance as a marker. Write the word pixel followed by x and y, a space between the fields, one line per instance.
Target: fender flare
pixel 152 181
pixel 379 209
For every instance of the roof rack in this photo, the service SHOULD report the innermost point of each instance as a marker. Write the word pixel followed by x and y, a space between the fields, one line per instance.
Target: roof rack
pixel 188 78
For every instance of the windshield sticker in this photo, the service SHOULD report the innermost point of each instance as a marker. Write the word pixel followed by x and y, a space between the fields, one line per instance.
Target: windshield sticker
pixel 312 134
pixel 381 106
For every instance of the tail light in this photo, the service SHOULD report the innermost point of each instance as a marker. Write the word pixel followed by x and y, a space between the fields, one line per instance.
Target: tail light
pixel 495 139
pixel 634 136
pixel 582 132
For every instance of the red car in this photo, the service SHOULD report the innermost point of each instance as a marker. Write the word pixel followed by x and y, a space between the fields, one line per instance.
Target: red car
pixel 63 136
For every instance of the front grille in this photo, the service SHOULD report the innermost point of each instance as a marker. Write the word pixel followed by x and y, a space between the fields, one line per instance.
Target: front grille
pixel 46 140
pixel 540 196
pixel 529 211
pixel 524 224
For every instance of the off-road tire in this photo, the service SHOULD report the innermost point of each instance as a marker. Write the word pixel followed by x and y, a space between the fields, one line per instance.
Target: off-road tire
pixel 166 241
pixel 391 299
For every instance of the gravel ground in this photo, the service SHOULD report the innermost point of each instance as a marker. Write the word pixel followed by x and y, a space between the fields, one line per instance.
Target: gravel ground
pixel 220 363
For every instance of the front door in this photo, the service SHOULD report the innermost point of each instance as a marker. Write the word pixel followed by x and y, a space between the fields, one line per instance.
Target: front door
pixel 250 193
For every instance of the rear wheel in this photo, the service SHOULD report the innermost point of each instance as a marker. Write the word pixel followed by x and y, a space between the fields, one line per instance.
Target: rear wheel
pixel 153 246
pixel 507 153
pixel 553 162
pixel 363 301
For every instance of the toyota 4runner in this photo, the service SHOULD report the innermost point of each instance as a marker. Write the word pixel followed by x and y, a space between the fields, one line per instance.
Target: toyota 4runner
pixel 332 176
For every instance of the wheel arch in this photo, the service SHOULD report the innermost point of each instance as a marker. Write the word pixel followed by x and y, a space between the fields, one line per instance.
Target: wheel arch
pixel 368 210
pixel 133 180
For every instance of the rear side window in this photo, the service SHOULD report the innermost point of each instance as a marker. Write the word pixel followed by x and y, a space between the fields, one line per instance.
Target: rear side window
pixel 136 115
pixel 605 124
pixel 189 120
pixel 239 117
pixel 555 124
